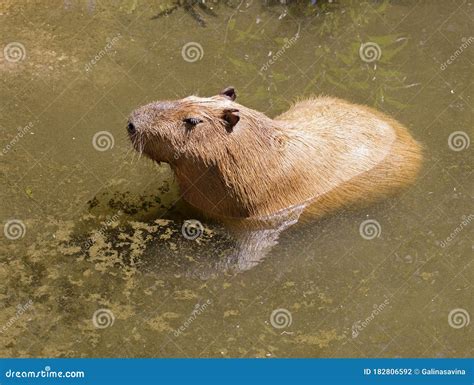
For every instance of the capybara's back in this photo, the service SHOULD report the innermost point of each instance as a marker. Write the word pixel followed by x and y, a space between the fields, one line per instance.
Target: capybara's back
pixel 358 153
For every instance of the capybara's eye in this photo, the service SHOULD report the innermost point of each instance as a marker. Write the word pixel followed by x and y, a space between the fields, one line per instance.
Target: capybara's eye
pixel 192 121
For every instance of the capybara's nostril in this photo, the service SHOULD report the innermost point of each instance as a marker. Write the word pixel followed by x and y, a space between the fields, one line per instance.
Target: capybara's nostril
pixel 131 128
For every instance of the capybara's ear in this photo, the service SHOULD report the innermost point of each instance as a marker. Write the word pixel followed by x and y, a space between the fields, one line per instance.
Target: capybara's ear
pixel 229 93
pixel 231 116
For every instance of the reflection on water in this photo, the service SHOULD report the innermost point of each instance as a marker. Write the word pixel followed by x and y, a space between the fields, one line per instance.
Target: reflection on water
pixel 254 241
pixel 89 226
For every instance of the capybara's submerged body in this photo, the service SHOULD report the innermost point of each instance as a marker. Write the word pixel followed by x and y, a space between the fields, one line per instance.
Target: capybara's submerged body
pixel 234 162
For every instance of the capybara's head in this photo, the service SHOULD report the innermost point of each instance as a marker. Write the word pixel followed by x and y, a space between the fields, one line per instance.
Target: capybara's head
pixel 194 128
pixel 217 148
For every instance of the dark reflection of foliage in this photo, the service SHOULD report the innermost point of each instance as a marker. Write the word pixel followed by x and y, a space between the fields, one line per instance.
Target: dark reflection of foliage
pixel 337 63
pixel 195 8
pixel 190 6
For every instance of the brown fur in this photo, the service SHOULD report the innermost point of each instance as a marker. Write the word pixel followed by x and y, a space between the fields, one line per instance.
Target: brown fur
pixel 322 154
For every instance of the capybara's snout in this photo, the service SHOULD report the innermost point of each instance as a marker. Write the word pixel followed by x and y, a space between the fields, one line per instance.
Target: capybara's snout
pixel 131 129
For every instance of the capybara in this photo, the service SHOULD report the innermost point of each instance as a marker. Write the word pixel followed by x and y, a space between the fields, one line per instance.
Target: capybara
pixel 231 161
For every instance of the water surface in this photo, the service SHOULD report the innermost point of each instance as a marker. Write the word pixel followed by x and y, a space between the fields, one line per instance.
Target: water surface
pixel 100 266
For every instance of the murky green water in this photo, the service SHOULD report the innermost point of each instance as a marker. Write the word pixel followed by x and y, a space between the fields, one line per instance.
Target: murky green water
pixel 100 266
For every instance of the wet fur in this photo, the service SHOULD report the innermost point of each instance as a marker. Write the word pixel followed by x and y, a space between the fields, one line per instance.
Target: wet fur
pixel 322 154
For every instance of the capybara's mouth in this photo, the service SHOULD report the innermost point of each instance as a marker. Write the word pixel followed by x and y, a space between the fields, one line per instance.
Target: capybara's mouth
pixel 142 145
